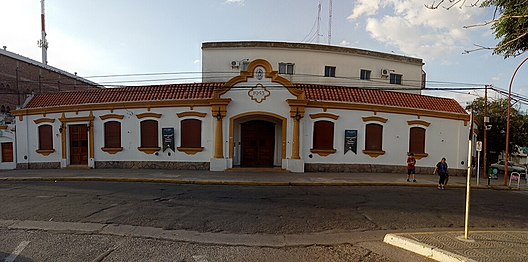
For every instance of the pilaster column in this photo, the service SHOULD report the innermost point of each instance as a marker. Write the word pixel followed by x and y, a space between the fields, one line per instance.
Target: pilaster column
pixel 296 113
pixel 219 111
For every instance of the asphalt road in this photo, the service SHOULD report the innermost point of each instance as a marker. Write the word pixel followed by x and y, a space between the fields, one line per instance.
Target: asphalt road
pixel 240 210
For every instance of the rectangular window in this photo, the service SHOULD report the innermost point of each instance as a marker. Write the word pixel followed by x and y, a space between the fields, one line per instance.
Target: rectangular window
pixel 286 68
pixel 417 140
pixel 191 133
pixel 364 74
pixel 45 137
pixel 395 79
pixel 330 71
pixel 149 134
pixel 323 135
pixel 7 152
pixel 112 133
pixel 374 137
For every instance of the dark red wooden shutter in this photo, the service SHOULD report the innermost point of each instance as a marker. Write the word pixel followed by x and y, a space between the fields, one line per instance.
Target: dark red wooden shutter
pixel 374 137
pixel 149 133
pixel 7 152
pixel 323 136
pixel 112 131
pixel 45 137
pixel 191 133
pixel 417 140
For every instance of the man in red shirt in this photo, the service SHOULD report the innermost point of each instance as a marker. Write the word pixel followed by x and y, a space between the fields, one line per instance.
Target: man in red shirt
pixel 411 167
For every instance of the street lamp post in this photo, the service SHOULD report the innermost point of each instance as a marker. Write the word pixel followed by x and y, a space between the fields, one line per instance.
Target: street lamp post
pixel 508 124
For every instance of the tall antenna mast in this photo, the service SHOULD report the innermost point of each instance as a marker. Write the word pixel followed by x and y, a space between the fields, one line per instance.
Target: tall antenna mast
pixel 42 43
pixel 318 21
pixel 330 23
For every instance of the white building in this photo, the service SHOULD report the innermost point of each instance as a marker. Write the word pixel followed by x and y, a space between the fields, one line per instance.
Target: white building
pixel 257 118
pixel 315 64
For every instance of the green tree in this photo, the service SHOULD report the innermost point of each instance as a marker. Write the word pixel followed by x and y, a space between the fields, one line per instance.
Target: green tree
pixel 509 23
pixel 497 113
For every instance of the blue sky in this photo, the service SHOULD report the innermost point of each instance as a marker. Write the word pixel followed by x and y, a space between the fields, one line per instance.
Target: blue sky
pixel 101 37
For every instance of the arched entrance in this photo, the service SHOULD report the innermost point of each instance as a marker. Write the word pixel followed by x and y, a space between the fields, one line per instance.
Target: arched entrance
pixel 257 143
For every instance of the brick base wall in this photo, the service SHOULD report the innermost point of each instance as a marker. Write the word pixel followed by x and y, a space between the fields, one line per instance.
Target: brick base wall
pixel 366 168
pixel 153 165
pixel 43 165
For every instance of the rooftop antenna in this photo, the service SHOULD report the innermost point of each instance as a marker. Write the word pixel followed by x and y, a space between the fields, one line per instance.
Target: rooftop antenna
pixel 42 43
pixel 330 23
pixel 318 21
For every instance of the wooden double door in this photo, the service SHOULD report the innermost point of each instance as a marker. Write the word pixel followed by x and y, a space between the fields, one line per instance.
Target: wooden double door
pixel 78 144
pixel 257 144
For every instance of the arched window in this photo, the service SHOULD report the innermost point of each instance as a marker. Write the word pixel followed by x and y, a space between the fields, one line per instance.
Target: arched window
pixel 2 109
pixel 191 133
pixel 149 134
pixel 112 134
pixel 45 135
pixel 417 140
pixel 374 137
pixel 8 109
pixel 323 135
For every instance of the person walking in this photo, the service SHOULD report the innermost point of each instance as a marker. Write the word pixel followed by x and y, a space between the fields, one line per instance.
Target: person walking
pixel 411 167
pixel 441 171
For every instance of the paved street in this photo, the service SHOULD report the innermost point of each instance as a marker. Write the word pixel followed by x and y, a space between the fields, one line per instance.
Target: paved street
pixel 245 210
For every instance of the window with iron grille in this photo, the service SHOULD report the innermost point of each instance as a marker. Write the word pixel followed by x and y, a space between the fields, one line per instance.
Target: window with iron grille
pixel 330 71
pixel 286 68
pixel 364 74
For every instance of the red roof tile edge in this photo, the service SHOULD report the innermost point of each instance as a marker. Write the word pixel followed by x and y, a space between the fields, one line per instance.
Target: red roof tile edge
pixel 205 91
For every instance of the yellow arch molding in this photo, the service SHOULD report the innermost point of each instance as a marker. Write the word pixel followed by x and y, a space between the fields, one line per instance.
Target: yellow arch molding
pixel 191 113
pixel 144 115
pixel 418 122
pixel 250 73
pixel 111 116
pixel 374 118
pixel 44 120
pixel 324 115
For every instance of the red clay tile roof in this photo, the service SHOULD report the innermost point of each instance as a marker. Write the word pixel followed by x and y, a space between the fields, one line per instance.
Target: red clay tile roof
pixel 205 91
pixel 379 97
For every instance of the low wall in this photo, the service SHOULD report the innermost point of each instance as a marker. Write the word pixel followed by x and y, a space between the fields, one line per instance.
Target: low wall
pixel 153 165
pixel 367 168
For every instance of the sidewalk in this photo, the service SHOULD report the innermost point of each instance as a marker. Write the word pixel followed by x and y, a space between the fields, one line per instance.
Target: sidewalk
pixel 245 177
pixel 438 245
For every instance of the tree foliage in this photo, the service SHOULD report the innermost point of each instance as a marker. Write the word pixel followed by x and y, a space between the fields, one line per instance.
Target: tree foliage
pixel 497 112
pixel 509 23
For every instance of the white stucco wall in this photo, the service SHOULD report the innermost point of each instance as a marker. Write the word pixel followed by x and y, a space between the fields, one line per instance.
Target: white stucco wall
pixel 130 136
pixel 444 138
pixel 310 65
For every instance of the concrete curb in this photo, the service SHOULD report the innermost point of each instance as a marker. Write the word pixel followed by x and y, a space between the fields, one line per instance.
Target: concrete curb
pixel 234 183
pixel 423 249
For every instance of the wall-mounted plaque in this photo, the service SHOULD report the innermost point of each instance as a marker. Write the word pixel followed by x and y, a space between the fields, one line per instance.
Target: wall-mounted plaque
pixel 351 141
pixel 168 138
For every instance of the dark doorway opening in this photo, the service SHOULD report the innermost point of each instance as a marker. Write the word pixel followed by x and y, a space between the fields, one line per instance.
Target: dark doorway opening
pixel 257 143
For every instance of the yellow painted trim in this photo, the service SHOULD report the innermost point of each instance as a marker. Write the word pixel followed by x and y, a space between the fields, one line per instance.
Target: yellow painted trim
pixel 2 127
pixel 420 156
pixel 149 150
pixel 190 150
pixel 250 115
pixel 45 152
pixel 373 153
pixel 44 120
pixel 323 152
pixel 250 73
pixel 324 115
pixel 387 109
pixel 110 106
pixel 111 150
pixel 111 116
pixel 144 115
pixel 191 113
pixel 374 118
pixel 418 122
pixel 64 119
pixel 63 140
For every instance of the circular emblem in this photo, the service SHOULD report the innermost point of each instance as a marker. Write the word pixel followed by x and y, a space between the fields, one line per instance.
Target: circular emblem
pixel 260 74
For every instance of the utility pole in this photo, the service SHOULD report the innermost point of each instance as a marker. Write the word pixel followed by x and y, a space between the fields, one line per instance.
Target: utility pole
pixel 486 123
pixel 330 24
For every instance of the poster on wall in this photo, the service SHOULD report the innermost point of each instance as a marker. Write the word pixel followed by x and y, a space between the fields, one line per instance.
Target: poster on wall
pixel 351 141
pixel 168 138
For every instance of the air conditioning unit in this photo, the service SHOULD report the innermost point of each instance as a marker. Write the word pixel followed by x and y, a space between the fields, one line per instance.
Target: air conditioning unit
pixel 385 72
pixel 234 64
